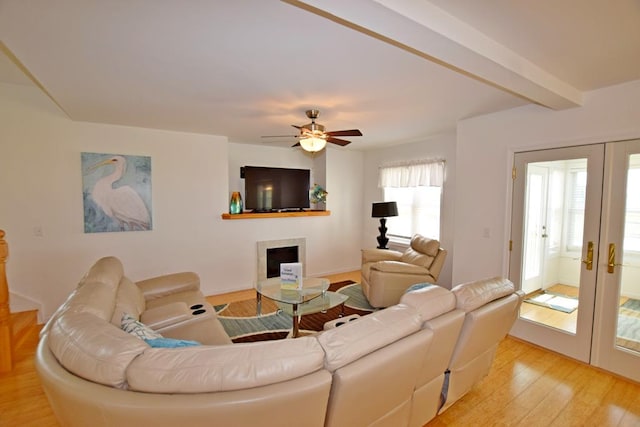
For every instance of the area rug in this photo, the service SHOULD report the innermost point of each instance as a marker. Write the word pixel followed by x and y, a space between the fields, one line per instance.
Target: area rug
pixel 563 303
pixel 628 331
pixel 241 323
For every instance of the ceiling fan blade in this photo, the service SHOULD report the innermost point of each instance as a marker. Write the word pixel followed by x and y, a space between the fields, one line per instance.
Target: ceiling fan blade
pixel 279 136
pixel 297 144
pixel 337 141
pixel 297 127
pixel 351 132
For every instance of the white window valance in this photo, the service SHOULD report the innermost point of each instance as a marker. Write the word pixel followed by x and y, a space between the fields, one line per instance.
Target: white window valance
pixel 423 173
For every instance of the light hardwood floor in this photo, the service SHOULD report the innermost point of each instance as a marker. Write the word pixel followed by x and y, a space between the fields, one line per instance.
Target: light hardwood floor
pixel 527 386
pixel 554 318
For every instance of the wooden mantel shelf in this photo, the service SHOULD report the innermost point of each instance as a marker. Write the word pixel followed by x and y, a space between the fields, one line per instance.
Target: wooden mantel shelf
pixel 275 215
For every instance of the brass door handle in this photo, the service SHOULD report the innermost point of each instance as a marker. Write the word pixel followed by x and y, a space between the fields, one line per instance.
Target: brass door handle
pixel 589 260
pixel 611 263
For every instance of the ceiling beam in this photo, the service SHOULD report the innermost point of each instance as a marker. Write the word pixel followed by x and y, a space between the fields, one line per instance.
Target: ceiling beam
pixel 425 30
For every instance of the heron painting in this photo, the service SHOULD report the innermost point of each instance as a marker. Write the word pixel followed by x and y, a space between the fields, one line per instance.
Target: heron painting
pixel 116 192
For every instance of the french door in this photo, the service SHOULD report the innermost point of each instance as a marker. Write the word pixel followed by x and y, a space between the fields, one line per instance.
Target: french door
pixel 616 344
pixel 572 201
pixel 575 251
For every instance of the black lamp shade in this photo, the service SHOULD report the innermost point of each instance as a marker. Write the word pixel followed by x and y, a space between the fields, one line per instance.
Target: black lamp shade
pixel 384 210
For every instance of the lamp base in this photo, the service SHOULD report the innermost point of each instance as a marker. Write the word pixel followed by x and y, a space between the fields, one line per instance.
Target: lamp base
pixel 382 238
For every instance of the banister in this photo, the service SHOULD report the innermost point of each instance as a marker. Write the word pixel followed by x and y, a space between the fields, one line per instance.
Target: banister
pixel 6 333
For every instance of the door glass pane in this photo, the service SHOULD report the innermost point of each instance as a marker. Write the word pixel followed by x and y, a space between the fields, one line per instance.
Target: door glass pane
pixel 628 325
pixel 554 223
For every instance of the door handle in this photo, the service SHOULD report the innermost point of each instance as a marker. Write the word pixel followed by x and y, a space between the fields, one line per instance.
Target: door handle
pixel 589 260
pixel 611 263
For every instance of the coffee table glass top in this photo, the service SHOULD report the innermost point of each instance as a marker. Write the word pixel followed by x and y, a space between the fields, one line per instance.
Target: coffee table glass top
pixel 321 304
pixel 313 297
pixel 312 287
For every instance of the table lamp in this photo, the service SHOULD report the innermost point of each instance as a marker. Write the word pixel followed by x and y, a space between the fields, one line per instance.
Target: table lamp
pixel 383 210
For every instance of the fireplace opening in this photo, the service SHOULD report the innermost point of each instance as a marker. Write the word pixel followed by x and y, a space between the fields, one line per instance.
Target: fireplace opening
pixel 277 256
pixel 297 246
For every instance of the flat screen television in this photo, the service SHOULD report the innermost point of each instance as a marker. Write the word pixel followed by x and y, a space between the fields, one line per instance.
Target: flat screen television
pixel 268 189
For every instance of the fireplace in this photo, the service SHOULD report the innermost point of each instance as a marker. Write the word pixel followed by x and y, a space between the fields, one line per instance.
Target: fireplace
pixel 272 253
pixel 277 256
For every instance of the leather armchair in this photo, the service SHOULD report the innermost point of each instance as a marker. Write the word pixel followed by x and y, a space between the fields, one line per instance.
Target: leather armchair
pixel 387 274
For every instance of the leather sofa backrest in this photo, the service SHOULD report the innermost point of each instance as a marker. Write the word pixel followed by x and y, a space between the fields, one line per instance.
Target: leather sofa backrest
pixel 93 348
pixel 374 360
pixel 424 245
pixel 421 251
pixel 377 389
pixel 129 299
pixel 483 329
pixel 352 341
pixel 107 270
pixel 472 295
pixel 437 306
pixel 99 298
pixel 491 307
pixel 96 298
pixel 430 301
pixel 224 368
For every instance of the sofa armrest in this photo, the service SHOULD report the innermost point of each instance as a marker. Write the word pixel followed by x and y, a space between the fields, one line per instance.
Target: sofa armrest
pixel 165 315
pixel 399 267
pixel 161 286
pixel 374 255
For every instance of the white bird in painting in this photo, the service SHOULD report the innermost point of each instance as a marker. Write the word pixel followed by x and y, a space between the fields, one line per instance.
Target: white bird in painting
pixel 123 204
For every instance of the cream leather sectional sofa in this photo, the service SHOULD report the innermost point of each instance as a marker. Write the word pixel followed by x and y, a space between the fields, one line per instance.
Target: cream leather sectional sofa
pixel 384 369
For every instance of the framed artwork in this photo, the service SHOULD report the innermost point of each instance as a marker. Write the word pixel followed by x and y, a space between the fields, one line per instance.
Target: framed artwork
pixel 116 192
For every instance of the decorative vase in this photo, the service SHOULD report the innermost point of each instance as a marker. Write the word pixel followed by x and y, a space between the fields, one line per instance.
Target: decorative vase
pixel 235 204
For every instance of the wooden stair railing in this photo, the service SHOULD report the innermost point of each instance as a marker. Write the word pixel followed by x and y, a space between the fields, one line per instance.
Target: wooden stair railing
pixel 6 332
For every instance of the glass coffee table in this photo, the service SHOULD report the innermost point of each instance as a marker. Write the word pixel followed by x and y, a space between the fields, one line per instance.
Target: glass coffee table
pixel 314 297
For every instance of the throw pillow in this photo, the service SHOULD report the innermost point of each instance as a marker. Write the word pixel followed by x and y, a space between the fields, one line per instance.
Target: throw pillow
pixel 170 343
pixel 133 326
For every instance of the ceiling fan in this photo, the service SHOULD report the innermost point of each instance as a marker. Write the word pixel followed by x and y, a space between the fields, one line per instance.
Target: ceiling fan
pixel 313 137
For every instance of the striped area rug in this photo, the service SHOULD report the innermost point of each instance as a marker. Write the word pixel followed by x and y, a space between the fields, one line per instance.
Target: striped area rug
pixel 628 331
pixel 241 323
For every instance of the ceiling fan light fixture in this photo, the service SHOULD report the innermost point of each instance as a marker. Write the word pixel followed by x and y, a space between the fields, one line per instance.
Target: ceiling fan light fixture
pixel 312 144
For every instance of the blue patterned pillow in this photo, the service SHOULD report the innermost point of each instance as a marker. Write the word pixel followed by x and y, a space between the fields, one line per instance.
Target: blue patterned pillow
pixel 133 326
pixel 170 343
pixel 418 286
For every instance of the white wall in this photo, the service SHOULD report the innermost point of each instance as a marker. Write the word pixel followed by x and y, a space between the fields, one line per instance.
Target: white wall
pixel 442 146
pixel 42 187
pixel 485 147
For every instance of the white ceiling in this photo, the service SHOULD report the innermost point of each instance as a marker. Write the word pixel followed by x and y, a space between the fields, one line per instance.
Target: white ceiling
pixel 398 70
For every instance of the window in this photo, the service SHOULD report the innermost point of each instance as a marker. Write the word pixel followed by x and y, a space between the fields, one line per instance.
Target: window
pixel 632 216
pixel 417 190
pixel 418 211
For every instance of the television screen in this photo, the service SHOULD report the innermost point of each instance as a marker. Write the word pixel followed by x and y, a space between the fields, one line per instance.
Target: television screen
pixel 269 189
